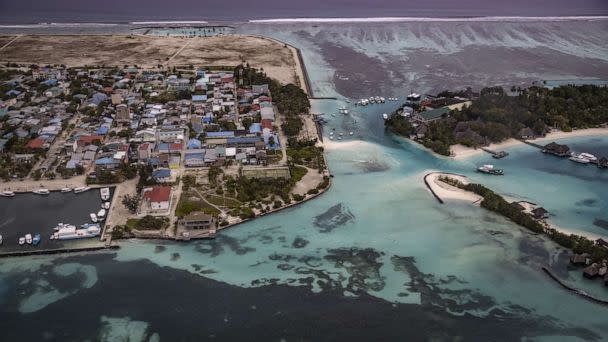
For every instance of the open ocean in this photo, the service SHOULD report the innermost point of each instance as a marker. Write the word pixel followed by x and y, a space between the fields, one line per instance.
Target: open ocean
pixel 376 258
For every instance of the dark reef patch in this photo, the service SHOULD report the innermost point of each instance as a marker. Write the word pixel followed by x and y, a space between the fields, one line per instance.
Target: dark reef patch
pixel 175 256
pixel 216 246
pixel 299 242
pixel 332 218
pixel 159 249
pixel 362 266
pixel 587 202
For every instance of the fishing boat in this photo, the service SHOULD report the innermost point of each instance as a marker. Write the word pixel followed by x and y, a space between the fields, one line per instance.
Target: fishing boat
pixel 41 191
pixel 36 239
pixel 81 189
pixel 66 189
pixel 104 193
pixel 93 217
pixel 489 169
pixel 69 232
pixel 21 241
pixel 579 158
pixel 106 205
pixel 28 239
pixel 7 193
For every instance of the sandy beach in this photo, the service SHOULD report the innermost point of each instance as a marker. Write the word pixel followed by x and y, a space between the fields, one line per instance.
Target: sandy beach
pixel 449 192
pixel 463 152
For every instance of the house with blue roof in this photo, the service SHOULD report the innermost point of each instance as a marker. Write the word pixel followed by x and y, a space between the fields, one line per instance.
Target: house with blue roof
pixel 101 130
pixel 199 98
pixel 255 128
pixel 193 144
pixel 223 134
pixel 162 175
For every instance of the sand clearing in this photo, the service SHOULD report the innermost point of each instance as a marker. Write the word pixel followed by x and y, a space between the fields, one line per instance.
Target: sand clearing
pixel 463 152
pixel 275 58
pixel 449 192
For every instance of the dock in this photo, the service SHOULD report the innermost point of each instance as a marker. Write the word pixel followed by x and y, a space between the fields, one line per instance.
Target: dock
pixel 56 251
pixel 495 154
pixel 574 290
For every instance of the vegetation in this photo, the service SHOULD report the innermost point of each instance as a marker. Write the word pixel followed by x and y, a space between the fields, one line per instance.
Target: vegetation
pixel 131 202
pixel 494 116
pixel 148 223
pixel 189 203
pixel 498 204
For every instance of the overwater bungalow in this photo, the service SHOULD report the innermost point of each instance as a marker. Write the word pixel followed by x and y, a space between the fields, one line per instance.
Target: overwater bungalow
pixel 557 149
pixel 579 259
pixel 591 271
pixel 602 163
pixel 540 213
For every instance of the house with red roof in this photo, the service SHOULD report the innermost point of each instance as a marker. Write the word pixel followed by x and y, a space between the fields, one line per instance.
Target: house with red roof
pixel 35 144
pixel 158 197
pixel 267 123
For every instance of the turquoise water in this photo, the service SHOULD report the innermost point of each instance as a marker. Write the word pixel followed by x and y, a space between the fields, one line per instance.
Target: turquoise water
pixel 376 232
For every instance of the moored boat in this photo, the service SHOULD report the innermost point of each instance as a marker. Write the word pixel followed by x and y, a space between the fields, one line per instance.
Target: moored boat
pixel 0 239
pixel 36 239
pixel 28 239
pixel 101 213
pixel 93 217
pixel 385 116
pixel 104 193
pixel 489 169
pixel 81 189
pixel 588 156
pixel 41 191
pixel 66 189
pixel 579 158
pixel 69 232
pixel 106 205
pixel 7 193
pixel 21 241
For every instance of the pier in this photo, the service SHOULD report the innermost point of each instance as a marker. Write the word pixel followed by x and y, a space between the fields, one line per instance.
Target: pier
pixel 573 289
pixel 495 154
pixel 56 251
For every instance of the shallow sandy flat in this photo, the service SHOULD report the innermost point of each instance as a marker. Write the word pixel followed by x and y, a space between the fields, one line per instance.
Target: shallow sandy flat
pixel 5 39
pixel 145 51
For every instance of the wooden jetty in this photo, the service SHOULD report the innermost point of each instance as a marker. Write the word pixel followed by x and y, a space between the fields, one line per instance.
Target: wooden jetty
pixel 495 154
pixel 573 289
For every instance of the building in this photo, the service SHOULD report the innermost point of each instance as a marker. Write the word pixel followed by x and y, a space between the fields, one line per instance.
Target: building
pixel 540 213
pixel 158 197
pixel 162 175
pixel 197 220
pixel 557 149
pixel 431 115
pixel 123 114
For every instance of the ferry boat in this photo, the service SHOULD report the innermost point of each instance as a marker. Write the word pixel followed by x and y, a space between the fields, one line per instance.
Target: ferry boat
pixel 93 217
pixel 36 239
pixel 66 189
pixel 81 189
pixel 579 158
pixel 7 193
pixel 106 205
pixel 28 239
pixel 69 232
pixel 21 241
pixel 489 169
pixel 41 191
pixel 105 194
pixel 385 116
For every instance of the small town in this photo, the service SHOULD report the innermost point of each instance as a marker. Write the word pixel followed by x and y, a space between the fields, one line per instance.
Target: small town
pixel 186 151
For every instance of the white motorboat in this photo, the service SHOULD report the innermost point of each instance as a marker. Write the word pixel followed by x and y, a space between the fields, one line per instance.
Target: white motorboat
pixel 93 217
pixel 351 133
pixel 28 239
pixel 21 241
pixel 0 239
pixel 105 194
pixel 41 191
pixel 101 213
pixel 106 205
pixel 589 157
pixel 7 193
pixel 66 189
pixel 81 189
pixel 579 159
pixel 69 232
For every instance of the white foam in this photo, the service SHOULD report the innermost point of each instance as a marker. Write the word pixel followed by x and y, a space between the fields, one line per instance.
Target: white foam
pixel 167 22
pixel 422 19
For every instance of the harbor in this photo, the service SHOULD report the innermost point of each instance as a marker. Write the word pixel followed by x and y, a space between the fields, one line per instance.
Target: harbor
pixel 28 216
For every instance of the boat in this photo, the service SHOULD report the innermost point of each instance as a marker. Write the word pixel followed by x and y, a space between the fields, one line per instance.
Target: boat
pixel 489 169
pixel 101 213
pixel 7 193
pixel 66 189
pixel 579 159
pixel 28 239
pixel 21 241
pixel 36 239
pixel 105 194
pixel 69 232
pixel 351 133
pixel 93 217
pixel 106 205
pixel 81 189
pixel 41 191
pixel 0 239
pixel 589 157
pixel 385 116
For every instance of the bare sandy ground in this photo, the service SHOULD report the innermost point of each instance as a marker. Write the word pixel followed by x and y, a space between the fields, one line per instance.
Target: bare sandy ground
pixel 449 192
pixel 5 40
pixel 277 60
pixel 463 152
pixel 310 181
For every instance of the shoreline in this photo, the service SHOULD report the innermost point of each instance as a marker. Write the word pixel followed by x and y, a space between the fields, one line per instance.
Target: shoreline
pixel 443 191
pixel 463 152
